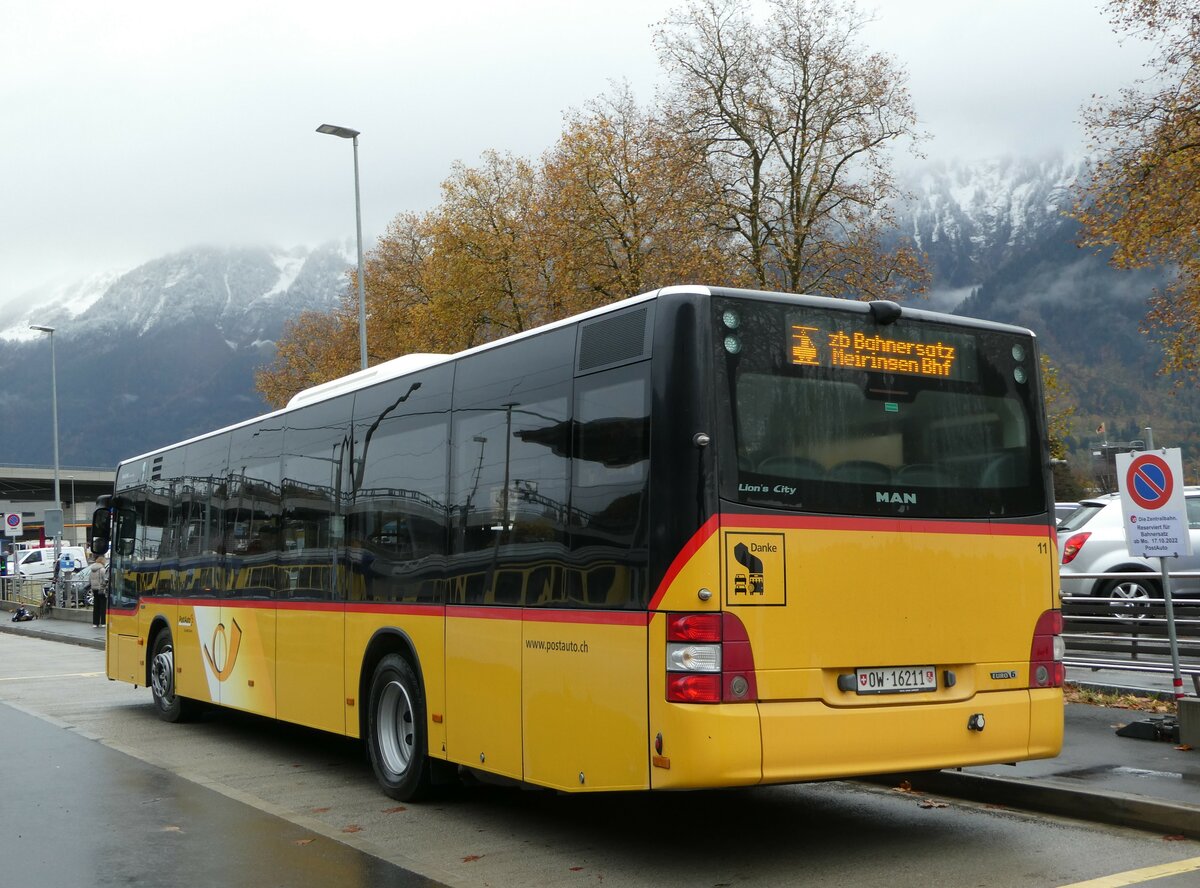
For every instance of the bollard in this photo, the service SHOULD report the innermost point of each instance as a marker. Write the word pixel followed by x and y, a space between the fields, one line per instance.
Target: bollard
pixel 1189 721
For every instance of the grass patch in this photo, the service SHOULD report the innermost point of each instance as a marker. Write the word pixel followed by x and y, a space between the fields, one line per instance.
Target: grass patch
pixel 1075 694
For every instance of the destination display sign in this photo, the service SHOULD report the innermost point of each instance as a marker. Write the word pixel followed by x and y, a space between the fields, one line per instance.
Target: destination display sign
pixel 829 340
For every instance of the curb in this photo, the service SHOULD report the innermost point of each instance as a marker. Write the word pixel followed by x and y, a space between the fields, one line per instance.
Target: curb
pixel 1118 809
pixel 51 635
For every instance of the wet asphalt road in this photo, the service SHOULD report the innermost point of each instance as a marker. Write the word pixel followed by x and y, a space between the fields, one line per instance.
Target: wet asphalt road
pixel 75 813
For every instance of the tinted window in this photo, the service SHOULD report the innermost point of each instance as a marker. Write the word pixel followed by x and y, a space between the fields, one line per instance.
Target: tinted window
pixel 123 586
pixel 609 507
pixel 829 412
pixel 510 469
pixel 253 528
pixel 315 444
pixel 397 523
pixel 197 517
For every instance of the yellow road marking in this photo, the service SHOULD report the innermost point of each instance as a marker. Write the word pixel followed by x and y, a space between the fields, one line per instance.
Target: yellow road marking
pixel 1138 876
pixel 55 675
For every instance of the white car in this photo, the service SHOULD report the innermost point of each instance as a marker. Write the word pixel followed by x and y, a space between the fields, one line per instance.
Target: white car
pixel 1092 540
pixel 39 563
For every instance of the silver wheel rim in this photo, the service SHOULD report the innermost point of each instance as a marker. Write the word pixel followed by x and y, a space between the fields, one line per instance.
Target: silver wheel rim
pixel 395 730
pixel 1130 598
pixel 162 675
pixel 1130 593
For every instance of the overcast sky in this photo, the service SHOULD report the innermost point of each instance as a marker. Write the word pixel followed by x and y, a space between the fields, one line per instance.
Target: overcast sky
pixel 136 128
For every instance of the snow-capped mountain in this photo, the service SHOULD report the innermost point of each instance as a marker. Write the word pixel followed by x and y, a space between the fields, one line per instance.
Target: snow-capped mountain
pixel 970 219
pixel 157 353
pixel 243 293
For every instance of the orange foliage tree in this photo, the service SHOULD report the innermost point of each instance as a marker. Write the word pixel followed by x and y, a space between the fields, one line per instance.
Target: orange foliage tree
pixel 1142 198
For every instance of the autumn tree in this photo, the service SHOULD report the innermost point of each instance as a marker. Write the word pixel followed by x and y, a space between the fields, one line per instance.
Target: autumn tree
pixel 627 206
pixel 795 118
pixel 314 348
pixel 1142 199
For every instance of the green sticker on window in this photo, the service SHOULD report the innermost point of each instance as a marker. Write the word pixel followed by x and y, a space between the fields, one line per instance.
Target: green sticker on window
pixel 891 407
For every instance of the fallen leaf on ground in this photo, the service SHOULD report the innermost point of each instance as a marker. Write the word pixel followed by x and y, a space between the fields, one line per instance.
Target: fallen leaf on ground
pixel 318 810
pixel 303 841
pixel 904 786
pixel 395 810
pixel 1175 838
pixel 932 803
pixel 574 869
pixel 352 828
pixel 1184 747
pixel 471 858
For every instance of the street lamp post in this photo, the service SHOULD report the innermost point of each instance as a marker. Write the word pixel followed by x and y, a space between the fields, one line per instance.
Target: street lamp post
pixel 346 133
pixel 54 414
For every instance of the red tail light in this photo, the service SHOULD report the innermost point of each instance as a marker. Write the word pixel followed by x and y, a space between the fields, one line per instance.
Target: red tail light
pixel 694 627
pixel 687 688
pixel 1072 546
pixel 709 659
pixel 1046 652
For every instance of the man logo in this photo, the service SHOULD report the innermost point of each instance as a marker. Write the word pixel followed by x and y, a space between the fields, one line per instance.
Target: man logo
pixel 900 499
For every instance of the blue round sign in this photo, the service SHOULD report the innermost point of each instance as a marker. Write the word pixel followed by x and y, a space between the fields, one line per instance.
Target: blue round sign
pixel 1149 481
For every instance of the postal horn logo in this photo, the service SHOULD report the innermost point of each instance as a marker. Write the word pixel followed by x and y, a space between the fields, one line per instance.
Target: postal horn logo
pixel 223 654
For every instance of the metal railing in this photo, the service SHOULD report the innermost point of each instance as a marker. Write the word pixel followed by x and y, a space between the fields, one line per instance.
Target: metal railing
pixel 1130 634
pixel 72 593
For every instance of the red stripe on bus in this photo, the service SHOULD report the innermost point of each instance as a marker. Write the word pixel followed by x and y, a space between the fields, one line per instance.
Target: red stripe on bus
pixel 475 612
pixel 548 615
pixel 376 607
pixel 699 538
pixel 601 618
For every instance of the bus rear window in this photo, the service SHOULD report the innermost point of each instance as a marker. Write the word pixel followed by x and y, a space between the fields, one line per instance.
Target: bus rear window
pixel 947 428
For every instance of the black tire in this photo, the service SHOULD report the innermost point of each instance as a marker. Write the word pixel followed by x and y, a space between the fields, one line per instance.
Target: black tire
pixel 1129 599
pixel 169 705
pixel 397 736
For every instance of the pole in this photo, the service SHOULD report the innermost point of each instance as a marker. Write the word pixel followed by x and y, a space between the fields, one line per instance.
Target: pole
pixel 362 293
pixel 57 491
pixel 1172 639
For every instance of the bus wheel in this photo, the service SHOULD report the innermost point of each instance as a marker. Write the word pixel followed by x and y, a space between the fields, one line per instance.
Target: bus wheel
pixel 171 707
pixel 397 742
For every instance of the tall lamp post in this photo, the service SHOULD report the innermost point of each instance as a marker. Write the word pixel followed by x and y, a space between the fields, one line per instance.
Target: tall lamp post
pixel 343 132
pixel 54 413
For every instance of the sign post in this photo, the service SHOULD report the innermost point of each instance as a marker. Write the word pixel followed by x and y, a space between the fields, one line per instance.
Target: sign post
pixel 1155 511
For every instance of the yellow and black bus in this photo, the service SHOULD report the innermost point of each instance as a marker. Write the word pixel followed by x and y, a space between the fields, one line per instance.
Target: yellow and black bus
pixel 702 537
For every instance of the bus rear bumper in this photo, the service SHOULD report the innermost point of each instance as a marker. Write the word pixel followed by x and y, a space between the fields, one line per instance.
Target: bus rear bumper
pixel 810 741
pixel 793 742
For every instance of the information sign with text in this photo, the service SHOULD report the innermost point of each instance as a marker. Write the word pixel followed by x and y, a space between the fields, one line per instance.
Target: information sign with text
pixel 1153 504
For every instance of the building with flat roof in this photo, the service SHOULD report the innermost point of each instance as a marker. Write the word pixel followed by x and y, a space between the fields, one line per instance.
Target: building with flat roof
pixel 29 490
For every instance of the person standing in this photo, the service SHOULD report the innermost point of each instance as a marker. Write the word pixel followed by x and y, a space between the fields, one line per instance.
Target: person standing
pixel 99 584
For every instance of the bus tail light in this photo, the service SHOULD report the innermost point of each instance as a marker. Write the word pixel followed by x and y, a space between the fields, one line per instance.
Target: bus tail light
pixel 1046 652
pixel 1072 546
pixel 709 659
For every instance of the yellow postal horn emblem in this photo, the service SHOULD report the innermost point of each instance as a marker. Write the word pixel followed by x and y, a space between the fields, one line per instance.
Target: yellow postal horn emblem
pixel 225 670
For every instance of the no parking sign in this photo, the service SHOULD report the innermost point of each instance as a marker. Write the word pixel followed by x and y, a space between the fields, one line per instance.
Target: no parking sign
pixel 13 526
pixel 1152 500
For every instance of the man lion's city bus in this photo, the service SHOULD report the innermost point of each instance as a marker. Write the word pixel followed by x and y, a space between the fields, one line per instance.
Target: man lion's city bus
pixel 699 538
